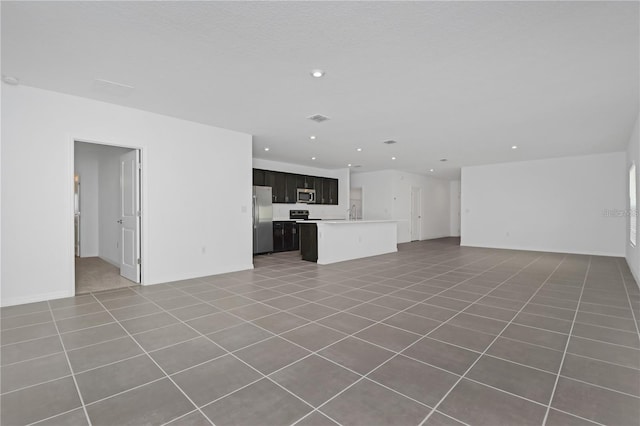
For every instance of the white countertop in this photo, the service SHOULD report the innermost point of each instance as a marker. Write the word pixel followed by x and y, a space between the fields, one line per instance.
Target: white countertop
pixel 344 221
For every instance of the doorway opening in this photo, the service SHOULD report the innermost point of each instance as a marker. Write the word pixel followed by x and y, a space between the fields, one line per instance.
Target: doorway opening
pixel 416 213
pixel 107 217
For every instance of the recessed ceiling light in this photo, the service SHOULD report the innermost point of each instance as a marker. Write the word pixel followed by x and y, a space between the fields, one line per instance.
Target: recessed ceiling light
pixel 312 137
pixel 514 147
pixel 443 159
pixel 318 118
pixel 349 165
pixel 359 149
pixel 431 170
pixel 393 158
pixel 317 73
pixel 266 149
pixel 313 158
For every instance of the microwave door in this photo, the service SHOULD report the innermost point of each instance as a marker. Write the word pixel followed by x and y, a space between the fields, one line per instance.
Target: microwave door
pixel 306 196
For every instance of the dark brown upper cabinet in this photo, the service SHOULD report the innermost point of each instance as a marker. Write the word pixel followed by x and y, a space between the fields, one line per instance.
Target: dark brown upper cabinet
pixel 285 185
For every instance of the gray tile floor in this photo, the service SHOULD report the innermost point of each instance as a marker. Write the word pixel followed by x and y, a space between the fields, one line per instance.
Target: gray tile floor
pixel 94 274
pixel 435 334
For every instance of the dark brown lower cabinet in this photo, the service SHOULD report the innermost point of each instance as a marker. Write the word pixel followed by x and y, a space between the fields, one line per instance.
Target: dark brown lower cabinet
pixel 285 236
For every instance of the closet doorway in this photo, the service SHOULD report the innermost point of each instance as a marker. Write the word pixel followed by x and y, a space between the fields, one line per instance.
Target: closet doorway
pixel 106 217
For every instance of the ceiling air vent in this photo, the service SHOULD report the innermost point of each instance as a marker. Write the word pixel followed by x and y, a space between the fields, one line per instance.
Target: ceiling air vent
pixel 318 118
pixel 112 88
pixel 390 142
pixel 357 166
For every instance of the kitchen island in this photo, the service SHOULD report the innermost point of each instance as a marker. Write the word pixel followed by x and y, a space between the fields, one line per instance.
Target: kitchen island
pixel 331 241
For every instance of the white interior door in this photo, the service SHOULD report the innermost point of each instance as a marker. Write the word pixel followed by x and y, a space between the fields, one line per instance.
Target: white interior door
pixel 76 213
pixel 416 214
pixel 130 215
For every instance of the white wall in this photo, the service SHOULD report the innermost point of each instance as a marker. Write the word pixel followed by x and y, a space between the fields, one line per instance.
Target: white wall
pixel 318 211
pixel 554 205
pixel 86 167
pixel 377 193
pixel 196 191
pixel 454 209
pixel 633 157
pixel 387 195
pixel 355 202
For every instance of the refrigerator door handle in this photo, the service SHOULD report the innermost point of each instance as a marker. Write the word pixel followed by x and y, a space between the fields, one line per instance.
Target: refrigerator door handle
pixel 256 216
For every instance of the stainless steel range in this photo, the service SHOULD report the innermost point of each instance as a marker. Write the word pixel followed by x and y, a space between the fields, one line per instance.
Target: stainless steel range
pixel 299 214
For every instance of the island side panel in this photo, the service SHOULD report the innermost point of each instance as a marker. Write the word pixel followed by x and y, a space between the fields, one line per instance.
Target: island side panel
pixel 308 241
pixel 338 242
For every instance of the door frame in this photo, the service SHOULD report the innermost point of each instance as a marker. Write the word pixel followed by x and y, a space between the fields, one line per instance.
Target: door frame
pixel 418 191
pixel 143 204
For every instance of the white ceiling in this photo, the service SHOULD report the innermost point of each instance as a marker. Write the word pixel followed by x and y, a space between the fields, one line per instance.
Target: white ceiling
pixel 457 80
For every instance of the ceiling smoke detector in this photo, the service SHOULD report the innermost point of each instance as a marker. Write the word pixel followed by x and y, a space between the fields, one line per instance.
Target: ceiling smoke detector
pixel 318 118
pixel 13 81
pixel 390 142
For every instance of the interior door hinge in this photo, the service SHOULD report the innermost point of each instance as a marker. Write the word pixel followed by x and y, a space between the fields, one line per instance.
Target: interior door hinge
pixel 138 213
pixel 139 262
pixel 139 166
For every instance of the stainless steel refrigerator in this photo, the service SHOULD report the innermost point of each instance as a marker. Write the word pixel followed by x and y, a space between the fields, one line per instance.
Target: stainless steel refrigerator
pixel 262 220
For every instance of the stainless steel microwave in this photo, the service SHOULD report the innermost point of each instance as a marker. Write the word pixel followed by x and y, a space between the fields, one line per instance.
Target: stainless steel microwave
pixel 306 196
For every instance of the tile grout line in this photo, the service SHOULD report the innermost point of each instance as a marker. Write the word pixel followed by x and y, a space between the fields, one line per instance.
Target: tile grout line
pixel 319 301
pixel 36 384
pixel 31 359
pixel 181 417
pixel 589 421
pixel 324 282
pixel 321 349
pixel 75 382
pixel 350 335
pixel 398 353
pixel 633 314
pixel 595 385
pixel 157 365
pixel 263 376
pixel 435 408
pixel 566 346
pixel 52 417
pixel 121 392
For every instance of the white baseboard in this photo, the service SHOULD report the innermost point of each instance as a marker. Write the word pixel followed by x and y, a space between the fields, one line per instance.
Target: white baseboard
pixel 35 298
pixel 544 250
pixel 226 270
pixel 633 272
